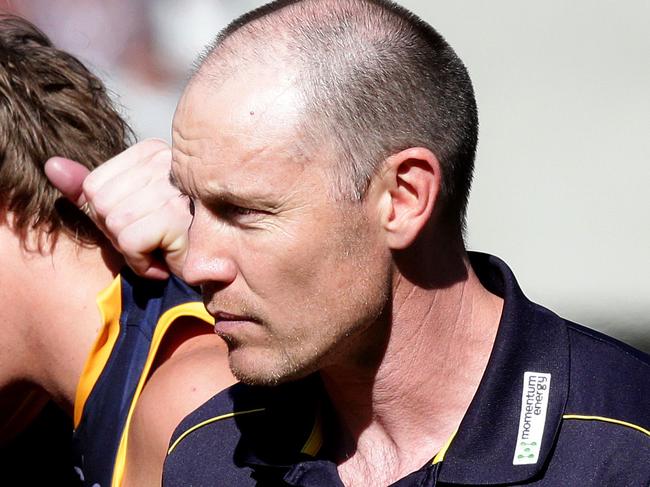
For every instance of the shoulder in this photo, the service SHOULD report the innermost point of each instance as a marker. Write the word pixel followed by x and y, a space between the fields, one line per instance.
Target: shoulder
pixel 197 368
pixel 605 427
pixel 608 378
pixel 228 413
pixel 145 323
pixel 204 444
pixel 241 428
pixel 194 369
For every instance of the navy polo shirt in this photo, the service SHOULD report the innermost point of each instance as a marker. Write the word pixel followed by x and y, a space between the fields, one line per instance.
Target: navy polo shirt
pixel 559 404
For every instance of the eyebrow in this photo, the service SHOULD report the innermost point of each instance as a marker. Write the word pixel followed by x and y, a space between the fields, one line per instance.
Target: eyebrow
pixel 224 196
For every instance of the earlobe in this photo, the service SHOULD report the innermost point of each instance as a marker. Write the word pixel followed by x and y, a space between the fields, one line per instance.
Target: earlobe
pixel 412 183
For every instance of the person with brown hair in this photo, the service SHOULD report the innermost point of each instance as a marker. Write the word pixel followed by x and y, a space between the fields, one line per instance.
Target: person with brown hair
pixel 77 326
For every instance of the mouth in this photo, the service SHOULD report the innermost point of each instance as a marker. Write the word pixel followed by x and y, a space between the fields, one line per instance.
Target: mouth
pixel 224 316
pixel 227 323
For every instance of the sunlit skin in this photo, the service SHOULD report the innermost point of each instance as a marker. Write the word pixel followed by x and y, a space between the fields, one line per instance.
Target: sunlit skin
pixel 292 275
pixel 371 294
pixel 129 195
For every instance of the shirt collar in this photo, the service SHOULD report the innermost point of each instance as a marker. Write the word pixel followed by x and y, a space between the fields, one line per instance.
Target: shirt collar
pixel 529 339
pixel 290 429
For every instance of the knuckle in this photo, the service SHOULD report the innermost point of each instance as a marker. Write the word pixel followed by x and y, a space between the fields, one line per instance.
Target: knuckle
pixel 126 244
pixel 154 143
pixel 115 222
pixel 151 148
pixel 160 161
pixel 177 210
pixel 175 201
pixel 160 190
pixel 100 204
pixel 89 187
pixel 177 204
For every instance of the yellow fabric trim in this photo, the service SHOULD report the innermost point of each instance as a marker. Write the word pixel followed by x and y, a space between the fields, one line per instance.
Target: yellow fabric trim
pixel 607 420
pixel 315 440
pixel 209 421
pixel 109 302
pixel 192 309
pixel 441 454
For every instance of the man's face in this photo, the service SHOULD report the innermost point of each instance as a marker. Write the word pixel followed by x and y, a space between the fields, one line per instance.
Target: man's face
pixel 294 277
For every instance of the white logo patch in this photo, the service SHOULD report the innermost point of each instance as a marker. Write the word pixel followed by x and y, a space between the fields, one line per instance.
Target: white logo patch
pixel 534 402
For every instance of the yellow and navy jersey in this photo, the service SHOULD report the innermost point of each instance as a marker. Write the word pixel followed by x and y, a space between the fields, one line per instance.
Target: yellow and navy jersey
pixel 558 404
pixel 136 315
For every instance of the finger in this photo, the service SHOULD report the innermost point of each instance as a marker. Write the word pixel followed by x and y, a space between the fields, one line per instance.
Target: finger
pixel 131 157
pixel 142 186
pixel 156 235
pixel 67 176
pixel 159 197
pixel 138 241
pixel 175 239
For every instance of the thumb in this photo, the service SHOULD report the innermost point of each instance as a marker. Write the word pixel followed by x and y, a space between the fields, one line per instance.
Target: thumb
pixel 67 176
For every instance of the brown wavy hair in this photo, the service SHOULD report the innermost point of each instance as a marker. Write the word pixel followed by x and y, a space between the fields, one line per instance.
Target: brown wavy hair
pixel 50 105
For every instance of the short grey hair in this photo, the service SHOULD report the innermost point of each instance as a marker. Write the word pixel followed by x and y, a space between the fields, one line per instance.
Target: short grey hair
pixel 375 79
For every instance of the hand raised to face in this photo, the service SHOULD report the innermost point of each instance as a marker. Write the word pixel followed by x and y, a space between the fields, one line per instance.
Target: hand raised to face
pixel 131 200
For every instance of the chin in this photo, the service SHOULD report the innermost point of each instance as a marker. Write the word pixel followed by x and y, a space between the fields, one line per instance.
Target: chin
pixel 266 368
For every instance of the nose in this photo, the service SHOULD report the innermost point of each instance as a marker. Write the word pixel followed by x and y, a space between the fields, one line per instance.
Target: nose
pixel 207 263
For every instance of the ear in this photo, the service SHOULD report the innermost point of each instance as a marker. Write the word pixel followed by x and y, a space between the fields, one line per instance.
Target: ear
pixel 410 185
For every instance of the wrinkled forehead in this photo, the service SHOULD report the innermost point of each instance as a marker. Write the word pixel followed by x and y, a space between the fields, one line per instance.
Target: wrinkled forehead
pixel 245 124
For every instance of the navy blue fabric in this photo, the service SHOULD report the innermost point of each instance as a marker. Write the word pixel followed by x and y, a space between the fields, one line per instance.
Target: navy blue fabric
pixel 98 435
pixel 592 375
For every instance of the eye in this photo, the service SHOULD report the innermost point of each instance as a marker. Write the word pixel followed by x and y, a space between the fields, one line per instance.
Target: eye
pixel 231 212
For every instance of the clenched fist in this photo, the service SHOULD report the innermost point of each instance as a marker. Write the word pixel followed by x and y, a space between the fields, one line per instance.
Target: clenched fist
pixel 131 200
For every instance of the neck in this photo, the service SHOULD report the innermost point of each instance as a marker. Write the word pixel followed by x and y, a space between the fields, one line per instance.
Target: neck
pixel 435 350
pixel 50 308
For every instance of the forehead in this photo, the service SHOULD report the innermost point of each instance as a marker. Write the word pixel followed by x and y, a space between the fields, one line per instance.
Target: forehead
pixel 234 133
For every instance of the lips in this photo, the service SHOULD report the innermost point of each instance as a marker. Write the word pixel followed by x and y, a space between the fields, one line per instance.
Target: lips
pixel 228 325
pixel 223 316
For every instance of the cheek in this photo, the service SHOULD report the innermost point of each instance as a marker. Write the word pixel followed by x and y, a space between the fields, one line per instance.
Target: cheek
pixel 325 267
pixel 287 266
pixel 283 264
pixel 325 262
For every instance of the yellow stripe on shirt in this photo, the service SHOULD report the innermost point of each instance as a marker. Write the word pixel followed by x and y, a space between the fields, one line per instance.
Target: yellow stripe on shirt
pixel 192 309
pixel 109 302
pixel 607 420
